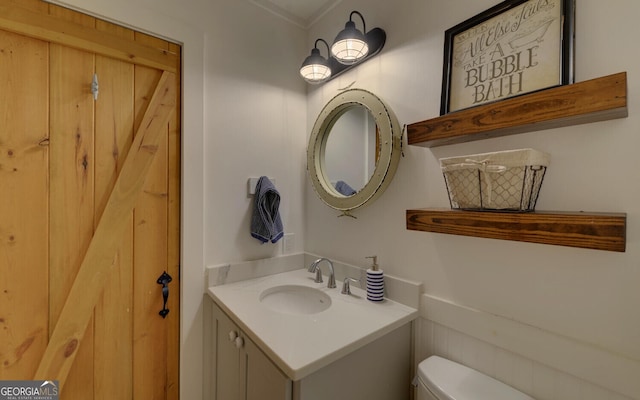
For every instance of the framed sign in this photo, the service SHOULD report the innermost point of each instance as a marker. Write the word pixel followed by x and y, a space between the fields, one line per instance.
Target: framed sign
pixel 513 48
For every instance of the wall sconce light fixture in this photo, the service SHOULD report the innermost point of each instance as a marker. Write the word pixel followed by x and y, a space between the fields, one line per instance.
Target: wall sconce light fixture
pixel 350 47
pixel 315 68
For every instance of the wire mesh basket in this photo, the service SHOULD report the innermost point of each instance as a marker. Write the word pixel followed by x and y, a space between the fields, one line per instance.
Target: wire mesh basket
pixel 505 180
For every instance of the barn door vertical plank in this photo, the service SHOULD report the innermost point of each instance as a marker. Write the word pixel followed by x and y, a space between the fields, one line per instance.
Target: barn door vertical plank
pixel 150 255
pixel 24 159
pixel 173 356
pixel 113 347
pixel 73 117
pixel 72 186
pixel 72 189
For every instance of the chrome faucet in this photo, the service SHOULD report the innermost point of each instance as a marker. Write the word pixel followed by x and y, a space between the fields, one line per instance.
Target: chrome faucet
pixel 315 267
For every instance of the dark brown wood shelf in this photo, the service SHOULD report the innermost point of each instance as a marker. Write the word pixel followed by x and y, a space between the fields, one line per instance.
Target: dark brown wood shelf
pixel 594 100
pixel 600 231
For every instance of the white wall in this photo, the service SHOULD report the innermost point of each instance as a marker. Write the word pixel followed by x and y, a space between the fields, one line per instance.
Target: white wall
pixel 255 116
pixel 244 115
pixel 347 149
pixel 589 296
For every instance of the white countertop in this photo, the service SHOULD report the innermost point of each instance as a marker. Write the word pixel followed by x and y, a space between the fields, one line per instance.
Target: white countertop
pixel 302 344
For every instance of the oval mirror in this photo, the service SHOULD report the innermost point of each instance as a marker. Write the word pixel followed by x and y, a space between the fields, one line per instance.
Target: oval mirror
pixel 354 150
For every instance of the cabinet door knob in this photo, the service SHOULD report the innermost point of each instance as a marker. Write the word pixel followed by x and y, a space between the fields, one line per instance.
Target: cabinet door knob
pixel 239 342
pixel 232 335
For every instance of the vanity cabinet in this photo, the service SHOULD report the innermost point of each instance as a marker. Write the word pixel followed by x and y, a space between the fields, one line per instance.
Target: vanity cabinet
pixel 380 370
pixel 239 370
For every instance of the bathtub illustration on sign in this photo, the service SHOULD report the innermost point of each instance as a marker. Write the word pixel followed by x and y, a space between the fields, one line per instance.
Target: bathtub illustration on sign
pixel 534 34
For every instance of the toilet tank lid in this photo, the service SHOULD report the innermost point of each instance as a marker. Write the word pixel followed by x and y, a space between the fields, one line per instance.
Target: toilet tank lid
pixel 452 381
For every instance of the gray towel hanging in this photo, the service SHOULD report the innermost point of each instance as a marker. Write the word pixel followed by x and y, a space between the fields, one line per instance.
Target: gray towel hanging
pixel 266 224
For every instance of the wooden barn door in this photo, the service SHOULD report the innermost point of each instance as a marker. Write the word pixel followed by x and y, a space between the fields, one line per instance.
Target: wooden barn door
pixel 79 293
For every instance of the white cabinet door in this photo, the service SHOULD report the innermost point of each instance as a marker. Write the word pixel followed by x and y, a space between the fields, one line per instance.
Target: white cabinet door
pixel 241 371
pixel 264 381
pixel 227 357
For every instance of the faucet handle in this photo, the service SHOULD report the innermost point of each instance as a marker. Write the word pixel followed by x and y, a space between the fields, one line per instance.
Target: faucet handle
pixel 318 272
pixel 346 289
pixel 312 267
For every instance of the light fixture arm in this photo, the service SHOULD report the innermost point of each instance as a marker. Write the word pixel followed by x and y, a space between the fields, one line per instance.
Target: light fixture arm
pixel 364 26
pixel 315 46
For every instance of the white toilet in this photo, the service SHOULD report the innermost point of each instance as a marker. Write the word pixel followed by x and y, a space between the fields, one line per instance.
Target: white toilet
pixel 441 379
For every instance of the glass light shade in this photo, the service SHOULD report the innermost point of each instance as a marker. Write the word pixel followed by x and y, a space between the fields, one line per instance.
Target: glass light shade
pixel 315 68
pixel 350 46
pixel 315 73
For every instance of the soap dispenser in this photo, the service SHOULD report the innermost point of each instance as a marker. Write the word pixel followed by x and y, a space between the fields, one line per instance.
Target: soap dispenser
pixel 375 281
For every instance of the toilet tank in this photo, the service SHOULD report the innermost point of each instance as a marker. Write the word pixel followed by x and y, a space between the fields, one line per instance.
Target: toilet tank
pixel 442 379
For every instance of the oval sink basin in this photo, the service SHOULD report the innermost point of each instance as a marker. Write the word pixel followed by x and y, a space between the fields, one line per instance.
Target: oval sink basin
pixel 295 299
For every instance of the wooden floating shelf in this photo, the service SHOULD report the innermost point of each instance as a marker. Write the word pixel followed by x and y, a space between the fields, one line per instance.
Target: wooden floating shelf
pixel 595 100
pixel 600 231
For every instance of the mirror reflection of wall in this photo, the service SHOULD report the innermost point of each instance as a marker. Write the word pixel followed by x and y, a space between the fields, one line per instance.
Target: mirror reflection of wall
pixel 350 154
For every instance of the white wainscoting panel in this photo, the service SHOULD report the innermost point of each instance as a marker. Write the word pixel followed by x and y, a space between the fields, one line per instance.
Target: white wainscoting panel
pixel 539 363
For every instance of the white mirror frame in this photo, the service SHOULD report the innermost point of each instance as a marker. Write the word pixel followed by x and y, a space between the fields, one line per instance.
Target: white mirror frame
pixel 390 149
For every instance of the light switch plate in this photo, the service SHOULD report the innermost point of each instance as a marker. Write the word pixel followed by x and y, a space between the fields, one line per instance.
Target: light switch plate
pixel 288 243
pixel 251 185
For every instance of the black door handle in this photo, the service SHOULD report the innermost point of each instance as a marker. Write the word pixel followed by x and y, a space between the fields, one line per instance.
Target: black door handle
pixel 164 280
